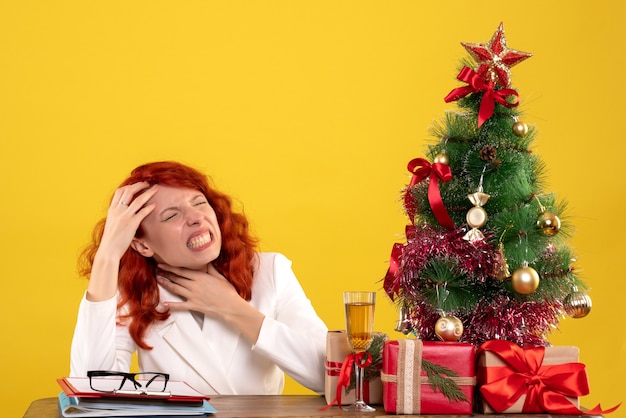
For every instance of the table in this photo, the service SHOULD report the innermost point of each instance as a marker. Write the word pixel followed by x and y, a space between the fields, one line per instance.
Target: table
pixel 293 406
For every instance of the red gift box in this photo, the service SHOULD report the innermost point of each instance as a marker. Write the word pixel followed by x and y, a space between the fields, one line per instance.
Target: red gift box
pixel 512 379
pixel 337 350
pixel 408 388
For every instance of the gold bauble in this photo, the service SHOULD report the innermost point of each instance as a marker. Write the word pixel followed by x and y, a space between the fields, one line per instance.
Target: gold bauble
pixel 577 304
pixel 525 280
pixel 549 223
pixel 442 158
pixel 449 328
pixel 520 128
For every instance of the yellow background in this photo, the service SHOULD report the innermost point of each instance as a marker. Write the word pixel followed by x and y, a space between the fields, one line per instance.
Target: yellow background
pixel 305 111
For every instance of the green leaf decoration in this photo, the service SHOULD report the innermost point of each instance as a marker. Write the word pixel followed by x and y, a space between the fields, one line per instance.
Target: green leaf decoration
pixel 439 380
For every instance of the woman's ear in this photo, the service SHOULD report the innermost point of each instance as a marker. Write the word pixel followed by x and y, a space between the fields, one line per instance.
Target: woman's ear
pixel 141 247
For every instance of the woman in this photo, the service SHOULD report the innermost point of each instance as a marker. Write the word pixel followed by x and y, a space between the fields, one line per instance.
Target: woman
pixel 174 276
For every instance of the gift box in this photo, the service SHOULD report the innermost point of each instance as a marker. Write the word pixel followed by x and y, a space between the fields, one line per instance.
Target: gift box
pixel 423 377
pixel 512 379
pixel 337 351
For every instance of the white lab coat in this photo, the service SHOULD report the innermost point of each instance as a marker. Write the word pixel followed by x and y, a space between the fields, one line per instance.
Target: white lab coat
pixel 215 359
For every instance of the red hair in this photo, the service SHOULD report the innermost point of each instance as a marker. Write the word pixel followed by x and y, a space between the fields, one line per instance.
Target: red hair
pixel 137 275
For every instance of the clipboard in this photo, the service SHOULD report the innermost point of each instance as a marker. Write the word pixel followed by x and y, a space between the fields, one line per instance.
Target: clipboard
pixel 176 391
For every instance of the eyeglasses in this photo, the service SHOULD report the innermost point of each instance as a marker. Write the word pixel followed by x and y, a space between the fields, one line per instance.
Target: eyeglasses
pixel 143 383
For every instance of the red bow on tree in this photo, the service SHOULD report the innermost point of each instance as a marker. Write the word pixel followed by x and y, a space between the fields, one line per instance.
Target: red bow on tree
pixel 391 283
pixel 476 83
pixel 421 170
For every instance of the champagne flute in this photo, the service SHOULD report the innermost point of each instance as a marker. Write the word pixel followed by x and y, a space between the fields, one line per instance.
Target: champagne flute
pixel 359 307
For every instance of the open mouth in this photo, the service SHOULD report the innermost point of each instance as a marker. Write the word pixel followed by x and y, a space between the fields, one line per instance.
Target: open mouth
pixel 200 241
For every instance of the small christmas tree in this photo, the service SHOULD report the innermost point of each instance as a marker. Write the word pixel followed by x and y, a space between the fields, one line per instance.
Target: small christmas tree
pixel 485 255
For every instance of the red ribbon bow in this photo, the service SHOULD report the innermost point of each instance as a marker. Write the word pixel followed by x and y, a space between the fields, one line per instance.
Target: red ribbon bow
pixel 421 170
pixel 391 283
pixel 476 83
pixel 545 386
pixel 362 360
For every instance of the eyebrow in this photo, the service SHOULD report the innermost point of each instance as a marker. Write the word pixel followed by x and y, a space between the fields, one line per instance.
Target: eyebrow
pixel 199 195
pixel 193 199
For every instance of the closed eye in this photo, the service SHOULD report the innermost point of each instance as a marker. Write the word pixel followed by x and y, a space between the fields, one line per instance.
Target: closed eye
pixel 169 216
pixel 199 200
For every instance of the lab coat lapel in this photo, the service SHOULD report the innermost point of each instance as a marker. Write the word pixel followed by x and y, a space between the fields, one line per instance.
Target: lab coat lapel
pixel 223 340
pixel 185 337
pixel 209 356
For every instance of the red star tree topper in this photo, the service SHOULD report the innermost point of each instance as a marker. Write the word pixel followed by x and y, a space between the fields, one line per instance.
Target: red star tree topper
pixel 495 58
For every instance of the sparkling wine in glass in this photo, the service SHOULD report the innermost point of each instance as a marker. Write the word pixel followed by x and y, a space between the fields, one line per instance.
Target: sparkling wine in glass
pixel 359 308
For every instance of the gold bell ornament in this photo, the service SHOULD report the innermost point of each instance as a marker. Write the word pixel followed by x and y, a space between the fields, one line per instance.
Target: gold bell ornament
pixel 503 272
pixel 449 328
pixel 404 324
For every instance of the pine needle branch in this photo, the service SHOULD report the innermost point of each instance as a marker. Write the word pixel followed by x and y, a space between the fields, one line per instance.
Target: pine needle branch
pixel 440 383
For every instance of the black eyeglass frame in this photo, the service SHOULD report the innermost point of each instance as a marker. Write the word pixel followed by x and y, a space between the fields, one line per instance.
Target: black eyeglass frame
pixel 132 377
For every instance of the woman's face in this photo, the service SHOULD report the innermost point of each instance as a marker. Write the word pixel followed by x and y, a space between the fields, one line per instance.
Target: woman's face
pixel 181 231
